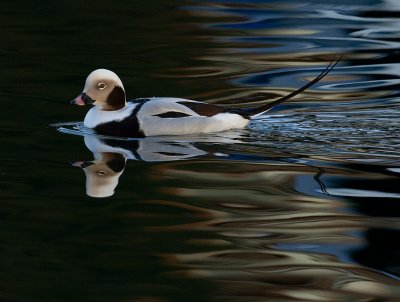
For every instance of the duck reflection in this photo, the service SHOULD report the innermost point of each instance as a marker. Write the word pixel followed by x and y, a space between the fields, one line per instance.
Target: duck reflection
pixel 110 156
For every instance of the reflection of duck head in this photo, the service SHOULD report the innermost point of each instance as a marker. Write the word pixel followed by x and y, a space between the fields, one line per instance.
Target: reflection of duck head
pixel 110 156
pixel 102 174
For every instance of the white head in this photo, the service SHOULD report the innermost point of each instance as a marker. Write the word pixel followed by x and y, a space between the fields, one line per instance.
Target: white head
pixel 103 88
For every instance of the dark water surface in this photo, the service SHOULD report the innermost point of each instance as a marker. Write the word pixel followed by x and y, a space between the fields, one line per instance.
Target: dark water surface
pixel 304 205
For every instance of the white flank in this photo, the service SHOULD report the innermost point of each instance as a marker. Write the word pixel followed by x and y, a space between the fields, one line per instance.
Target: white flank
pixel 153 125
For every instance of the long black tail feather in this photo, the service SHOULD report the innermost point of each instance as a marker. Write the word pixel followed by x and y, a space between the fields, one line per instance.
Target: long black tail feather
pixel 252 112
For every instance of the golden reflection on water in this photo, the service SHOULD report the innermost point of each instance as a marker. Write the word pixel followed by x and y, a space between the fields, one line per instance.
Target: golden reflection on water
pixel 245 215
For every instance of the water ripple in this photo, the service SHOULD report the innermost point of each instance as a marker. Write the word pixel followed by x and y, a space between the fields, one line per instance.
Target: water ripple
pixel 300 206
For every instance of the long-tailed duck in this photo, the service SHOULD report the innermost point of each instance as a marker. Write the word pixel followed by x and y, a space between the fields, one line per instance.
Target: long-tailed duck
pixel 113 115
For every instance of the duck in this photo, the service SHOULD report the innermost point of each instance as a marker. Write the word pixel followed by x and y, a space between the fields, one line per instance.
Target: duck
pixel 113 115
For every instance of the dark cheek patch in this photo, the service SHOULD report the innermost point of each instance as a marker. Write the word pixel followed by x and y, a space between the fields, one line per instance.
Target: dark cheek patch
pixel 117 164
pixel 116 99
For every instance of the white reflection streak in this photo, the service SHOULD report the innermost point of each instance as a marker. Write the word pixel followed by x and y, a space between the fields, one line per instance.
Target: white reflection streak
pixel 361 193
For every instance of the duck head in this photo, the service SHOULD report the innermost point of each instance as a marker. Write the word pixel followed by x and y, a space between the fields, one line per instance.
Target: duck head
pixel 103 88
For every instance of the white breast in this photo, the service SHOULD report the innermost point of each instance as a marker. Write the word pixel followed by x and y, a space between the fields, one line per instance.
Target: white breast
pixel 96 116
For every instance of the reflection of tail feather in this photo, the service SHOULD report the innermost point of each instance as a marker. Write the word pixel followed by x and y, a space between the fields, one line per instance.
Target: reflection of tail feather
pixel 317 178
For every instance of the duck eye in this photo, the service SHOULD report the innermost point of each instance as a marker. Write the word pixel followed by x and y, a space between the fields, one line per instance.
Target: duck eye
pixel 101 85
pixel 101 173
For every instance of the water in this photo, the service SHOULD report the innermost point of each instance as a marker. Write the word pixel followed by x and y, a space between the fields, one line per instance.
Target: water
pixel 303 205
